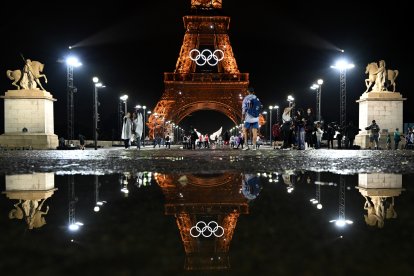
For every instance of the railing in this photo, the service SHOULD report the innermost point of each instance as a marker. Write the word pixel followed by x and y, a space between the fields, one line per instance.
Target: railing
pixel 206 77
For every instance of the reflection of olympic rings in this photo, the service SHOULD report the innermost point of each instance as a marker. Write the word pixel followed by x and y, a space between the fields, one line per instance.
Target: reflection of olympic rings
pixel 201 228
pixel 212 58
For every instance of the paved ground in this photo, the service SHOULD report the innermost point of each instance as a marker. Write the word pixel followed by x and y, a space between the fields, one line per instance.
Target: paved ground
pixel 115 160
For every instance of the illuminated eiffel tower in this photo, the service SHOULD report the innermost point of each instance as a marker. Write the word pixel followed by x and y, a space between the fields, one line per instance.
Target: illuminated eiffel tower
pixel 206 76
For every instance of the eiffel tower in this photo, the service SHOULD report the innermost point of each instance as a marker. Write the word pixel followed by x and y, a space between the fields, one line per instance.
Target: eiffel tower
pixel 206 76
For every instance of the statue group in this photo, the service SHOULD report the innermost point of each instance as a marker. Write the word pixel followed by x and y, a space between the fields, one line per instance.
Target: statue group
pixel 28 78
pixel 378 75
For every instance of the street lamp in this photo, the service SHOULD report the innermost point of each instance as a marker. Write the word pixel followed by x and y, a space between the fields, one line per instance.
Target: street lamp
pixel 97 85
pixel 291 100
pixel 318 87
pixel 124 99
pixel 342 66
pixel 277 113
pixel 138 107
pixel 71 89
pixel 265 114
pixel 270 124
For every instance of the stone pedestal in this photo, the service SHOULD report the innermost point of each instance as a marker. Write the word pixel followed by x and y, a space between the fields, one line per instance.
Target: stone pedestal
pixel 386 108
pixel 380 184
pixel 28 120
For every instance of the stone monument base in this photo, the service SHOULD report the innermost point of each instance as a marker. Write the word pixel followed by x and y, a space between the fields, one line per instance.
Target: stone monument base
pixel 386 108
pixel 29 140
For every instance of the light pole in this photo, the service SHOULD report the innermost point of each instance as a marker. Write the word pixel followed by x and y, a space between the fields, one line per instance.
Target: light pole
pixel 277 113
pixel 318 87
pixel 71 89
pixel 97 85
pixel 291 100
pixel 270 124
pixel 144 108
pixel 342 66
pixel 124 99
pixel 265 114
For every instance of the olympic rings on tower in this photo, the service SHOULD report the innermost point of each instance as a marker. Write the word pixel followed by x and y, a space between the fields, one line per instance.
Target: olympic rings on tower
pixel 201 228
pixel 206 56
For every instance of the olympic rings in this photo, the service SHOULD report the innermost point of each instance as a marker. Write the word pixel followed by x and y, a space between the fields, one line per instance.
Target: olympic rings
pixel 212 58
pixel 201 228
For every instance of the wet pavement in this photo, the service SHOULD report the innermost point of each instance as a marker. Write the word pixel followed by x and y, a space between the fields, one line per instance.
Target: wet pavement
pixel 157 212
pixel 118 160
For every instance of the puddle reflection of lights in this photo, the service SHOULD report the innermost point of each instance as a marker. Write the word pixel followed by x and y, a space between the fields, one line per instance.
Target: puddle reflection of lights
pixel 341 222
pixel 75 226
pixel 97 207
pixel 290 190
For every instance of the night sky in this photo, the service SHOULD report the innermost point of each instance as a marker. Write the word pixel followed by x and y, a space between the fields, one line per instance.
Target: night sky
pixel 129 45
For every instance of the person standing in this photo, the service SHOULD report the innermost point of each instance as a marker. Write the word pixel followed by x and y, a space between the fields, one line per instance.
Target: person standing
pixel 126 130
pixel 81 142
pixel 374 135
pixel 251 120
pixel 397 138
pixel 138 128
pixel 167 141
pixel 350 132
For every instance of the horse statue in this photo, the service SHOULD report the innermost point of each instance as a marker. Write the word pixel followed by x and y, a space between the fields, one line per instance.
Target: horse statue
pixel 29 77
pixel 371 70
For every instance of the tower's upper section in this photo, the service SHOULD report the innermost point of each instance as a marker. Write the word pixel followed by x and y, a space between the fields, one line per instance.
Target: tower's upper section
pixel 206 4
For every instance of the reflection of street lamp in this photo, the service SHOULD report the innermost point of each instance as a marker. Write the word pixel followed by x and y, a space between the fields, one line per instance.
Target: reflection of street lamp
pixel 70 63
pixel 341 221
pixel 317 201
pixel 73 224
pixel 97 85
pixel 98 203
pixel 342 66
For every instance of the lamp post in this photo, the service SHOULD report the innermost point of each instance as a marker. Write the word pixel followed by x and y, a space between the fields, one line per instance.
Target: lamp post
pixel 70 63
pixel 149 114
pixel 265 114
pixel 342 66
pixel 124 99
pixel 277 113
pixel 318 87
pixel 144 108
pixel 97 85
pixel 291 100
pixel 270 124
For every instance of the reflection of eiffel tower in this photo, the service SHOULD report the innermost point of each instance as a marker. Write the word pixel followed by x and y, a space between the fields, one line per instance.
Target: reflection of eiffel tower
pixel 192 198
pixel 197 85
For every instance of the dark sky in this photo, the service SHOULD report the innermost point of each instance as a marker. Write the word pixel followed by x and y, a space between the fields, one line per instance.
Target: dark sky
pixel 129 45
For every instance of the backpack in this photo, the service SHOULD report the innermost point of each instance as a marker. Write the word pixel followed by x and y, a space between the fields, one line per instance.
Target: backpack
pixel 254 107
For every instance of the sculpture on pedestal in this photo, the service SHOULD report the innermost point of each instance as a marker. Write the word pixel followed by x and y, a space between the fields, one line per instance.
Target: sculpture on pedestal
pixel 28 78
pixel 380 77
